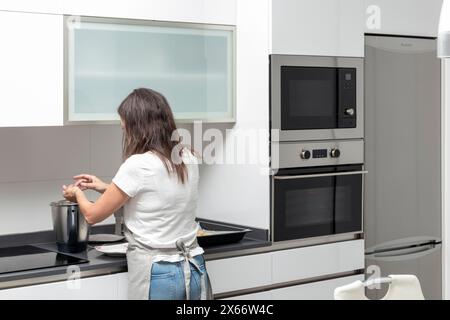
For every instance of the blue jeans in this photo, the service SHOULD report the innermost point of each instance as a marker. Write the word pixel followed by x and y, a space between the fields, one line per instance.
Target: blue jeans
pixel 167 280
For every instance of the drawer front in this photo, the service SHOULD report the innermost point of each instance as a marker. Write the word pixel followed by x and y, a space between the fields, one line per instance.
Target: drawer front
pixel 265 295
pixel 101 287
pixel 239 273
pixel 316 261
pixel 122 286
pixel 321 290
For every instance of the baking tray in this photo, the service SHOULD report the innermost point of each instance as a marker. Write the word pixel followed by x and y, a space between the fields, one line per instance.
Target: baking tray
pixel 218 234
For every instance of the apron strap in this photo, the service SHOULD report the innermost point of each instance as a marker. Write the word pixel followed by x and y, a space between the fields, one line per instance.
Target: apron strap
pixel 186 267
pixel 187 272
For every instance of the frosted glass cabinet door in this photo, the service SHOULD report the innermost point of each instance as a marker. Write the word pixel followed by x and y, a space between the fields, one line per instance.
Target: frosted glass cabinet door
pixel 192 65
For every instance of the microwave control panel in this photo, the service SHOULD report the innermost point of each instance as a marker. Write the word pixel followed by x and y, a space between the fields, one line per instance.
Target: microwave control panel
pixel 347 98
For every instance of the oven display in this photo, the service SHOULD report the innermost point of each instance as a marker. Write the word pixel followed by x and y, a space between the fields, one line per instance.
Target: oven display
pixel 320 153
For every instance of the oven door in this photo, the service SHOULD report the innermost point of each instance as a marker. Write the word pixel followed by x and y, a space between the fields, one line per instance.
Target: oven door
pixel 317 202
pixel 316 98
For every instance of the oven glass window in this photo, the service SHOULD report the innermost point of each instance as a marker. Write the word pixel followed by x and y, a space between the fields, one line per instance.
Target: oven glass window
pixel 309 98
pixel 310 207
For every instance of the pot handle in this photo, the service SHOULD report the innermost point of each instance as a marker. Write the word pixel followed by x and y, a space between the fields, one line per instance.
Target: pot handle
pixel 73 225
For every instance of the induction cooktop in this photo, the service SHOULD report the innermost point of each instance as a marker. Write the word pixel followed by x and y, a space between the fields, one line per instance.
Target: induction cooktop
pixel 28 257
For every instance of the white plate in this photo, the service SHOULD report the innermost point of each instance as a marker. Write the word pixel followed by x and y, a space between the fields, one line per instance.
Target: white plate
pixel 104 238
pixel 119 249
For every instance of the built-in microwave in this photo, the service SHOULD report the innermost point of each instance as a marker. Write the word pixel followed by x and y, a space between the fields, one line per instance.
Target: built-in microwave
pixel 316 98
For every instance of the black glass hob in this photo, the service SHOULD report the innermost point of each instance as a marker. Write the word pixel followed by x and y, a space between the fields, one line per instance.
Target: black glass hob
pixel 24 258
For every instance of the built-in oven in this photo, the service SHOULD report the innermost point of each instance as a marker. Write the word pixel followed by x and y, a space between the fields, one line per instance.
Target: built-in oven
pixel 318 193
pixel 316 98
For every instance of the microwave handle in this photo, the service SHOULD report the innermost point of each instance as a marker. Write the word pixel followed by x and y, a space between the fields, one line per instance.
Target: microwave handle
pixel 319 175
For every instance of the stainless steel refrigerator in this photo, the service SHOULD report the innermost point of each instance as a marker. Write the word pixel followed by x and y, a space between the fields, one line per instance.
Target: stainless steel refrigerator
pixel 402 191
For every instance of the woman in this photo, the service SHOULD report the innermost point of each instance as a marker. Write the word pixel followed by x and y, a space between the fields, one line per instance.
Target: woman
pixel 157 185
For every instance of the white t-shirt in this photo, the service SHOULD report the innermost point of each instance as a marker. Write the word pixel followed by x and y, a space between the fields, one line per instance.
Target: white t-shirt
pixel 161 209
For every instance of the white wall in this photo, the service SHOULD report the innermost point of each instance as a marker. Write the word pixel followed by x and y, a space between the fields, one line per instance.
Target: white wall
pixel 36 162
pixel 407 17
pixel 240 193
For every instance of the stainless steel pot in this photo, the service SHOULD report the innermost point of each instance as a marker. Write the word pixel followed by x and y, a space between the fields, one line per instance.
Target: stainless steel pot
pixel 70 226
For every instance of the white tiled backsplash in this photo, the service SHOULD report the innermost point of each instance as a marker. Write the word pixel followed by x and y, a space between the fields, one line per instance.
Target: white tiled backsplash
pixel 36 162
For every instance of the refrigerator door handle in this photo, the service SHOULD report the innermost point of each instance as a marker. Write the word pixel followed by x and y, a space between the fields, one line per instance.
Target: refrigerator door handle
pixel 405 254
pixel 404 243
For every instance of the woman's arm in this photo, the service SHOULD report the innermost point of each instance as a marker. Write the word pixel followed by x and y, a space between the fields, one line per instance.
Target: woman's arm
pixel 109 202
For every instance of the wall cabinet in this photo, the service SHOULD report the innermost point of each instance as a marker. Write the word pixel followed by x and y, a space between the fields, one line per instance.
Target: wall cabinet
pixel 200 11
pixel 192 65
pixel 41 6
pixel 31 64
pixel 319 27
pixel 402 17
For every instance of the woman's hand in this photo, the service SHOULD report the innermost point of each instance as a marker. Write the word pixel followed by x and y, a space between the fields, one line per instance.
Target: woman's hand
pixel 88 181
pixel 70 192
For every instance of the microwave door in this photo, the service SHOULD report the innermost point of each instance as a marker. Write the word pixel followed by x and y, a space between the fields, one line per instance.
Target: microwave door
pixel 313 98
pixel 309 98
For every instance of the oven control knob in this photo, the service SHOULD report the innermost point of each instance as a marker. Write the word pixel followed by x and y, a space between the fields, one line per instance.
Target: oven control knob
pixel 305 154
pixel 335 153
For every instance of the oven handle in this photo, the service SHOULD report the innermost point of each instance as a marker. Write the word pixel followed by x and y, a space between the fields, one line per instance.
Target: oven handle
pixel 319 175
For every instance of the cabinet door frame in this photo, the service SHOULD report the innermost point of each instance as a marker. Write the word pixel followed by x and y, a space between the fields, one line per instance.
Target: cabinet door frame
pixel 71 20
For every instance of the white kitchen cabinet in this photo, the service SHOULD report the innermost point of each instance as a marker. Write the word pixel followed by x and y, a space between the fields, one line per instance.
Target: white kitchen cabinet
pixel 277 267
pixel 252 105
pixel 239 273
pixel 264 295
pixel 257 271
pixel 402 17
pixel 122 286
pixel 319 27
pixel 201 11
pixel 31 64
pixel 40 6
pixel 321 290
pixel 94 288
pixel 192 65
pixel 317 261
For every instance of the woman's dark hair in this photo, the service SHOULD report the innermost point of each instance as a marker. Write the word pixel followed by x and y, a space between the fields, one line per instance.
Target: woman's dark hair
pixel 149 126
